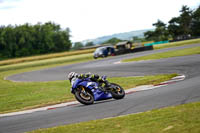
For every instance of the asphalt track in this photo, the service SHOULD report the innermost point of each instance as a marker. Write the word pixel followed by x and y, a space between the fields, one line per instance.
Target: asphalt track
pixel 173 94
pixel 108 67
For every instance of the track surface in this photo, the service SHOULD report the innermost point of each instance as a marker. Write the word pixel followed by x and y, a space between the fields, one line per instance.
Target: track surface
pixel 174 94
pixel 107 67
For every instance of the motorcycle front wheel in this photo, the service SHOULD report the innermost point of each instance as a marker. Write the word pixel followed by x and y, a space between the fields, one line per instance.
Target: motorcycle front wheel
pixel 84 96
pixel 117 91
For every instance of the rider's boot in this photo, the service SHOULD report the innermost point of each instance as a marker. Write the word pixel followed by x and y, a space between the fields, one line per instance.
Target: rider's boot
pixel 107 84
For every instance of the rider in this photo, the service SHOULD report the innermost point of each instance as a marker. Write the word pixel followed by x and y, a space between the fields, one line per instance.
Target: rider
pixel 72 76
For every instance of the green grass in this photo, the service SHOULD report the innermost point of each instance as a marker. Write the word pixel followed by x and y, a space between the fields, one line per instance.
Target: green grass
pixel 130 82
pixel 49 62
pixel 175 44
pixel 45 56
pixel 177 119
pixel 16 96
pixel 174 53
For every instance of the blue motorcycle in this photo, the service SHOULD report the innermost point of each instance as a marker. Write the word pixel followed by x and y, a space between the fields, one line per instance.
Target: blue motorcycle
pixel 87 91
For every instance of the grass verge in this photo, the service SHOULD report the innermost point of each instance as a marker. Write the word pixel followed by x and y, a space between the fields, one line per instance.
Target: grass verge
pixel 16 96
pixel 175 44
pixel 174 53
pixel 49 62
pixel 46 56
pixel 179 119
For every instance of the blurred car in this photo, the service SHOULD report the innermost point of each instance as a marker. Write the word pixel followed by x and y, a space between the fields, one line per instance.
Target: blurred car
pixel 104 52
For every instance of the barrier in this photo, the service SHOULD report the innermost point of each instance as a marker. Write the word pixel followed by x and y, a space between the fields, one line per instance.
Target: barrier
pixel 156 43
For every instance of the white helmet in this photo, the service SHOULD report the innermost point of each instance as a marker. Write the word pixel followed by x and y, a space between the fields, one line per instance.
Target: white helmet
pixel 71 75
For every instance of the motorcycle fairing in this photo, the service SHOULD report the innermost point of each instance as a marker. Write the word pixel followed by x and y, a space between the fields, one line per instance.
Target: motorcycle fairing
pixel 93 86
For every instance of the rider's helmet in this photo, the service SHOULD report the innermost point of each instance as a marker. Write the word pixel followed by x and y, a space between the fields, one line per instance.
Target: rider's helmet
pixel 71 75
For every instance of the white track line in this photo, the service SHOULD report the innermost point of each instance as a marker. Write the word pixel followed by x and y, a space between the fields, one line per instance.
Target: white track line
pixel 118 62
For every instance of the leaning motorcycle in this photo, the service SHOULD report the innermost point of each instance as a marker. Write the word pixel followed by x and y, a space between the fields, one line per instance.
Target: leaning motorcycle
pixel 87 91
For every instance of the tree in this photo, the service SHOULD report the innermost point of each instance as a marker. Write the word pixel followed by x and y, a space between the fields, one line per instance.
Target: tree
pixel 26 40
pixel 174 28
pixel 159 34
pixel 89 44
pixel 180 27
pixel 161 31
pixel 185 26
pixel 77 45
pixel 195 26
pixel 185 21
pixel 149 35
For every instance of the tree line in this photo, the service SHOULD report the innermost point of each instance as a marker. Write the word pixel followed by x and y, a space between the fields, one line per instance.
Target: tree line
pixel 185 26
pixel 27 39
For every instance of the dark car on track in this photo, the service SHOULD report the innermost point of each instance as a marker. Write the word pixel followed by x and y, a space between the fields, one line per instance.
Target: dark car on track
pixel 104 52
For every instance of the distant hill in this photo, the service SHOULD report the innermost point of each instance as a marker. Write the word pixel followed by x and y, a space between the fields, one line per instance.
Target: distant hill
pixel 122 36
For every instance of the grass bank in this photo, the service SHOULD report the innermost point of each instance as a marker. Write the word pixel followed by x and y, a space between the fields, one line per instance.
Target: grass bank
pixel 49 62
pixel 175 44
pixel 178 119
pixel 46 56
pixel 174 53
pixel 16 96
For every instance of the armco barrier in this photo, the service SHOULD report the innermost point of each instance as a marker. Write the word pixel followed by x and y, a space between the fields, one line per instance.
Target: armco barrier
pixel 142 48
pixel 156 43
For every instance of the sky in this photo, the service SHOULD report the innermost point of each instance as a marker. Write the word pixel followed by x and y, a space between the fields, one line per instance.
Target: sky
pixel 89 19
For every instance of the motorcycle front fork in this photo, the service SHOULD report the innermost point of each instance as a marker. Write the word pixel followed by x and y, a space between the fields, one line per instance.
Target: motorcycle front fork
pixel 83 90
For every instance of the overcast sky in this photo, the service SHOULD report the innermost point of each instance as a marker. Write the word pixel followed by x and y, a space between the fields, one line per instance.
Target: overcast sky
pixel 88 19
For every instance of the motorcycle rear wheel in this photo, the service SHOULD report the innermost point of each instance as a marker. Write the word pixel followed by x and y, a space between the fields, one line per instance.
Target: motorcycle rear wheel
pixel 84 96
